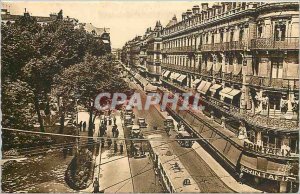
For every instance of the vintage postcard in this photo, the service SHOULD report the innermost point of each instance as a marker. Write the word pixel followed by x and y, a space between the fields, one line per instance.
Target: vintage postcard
pixel 149 97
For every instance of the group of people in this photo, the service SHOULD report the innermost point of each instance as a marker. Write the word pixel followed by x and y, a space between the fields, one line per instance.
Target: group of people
pixel 82 126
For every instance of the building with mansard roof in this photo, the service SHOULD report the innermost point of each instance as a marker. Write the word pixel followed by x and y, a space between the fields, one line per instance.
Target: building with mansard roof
pixel 242 58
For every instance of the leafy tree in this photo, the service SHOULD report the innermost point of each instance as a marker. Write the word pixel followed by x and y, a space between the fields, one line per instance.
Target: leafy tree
pixel 89 78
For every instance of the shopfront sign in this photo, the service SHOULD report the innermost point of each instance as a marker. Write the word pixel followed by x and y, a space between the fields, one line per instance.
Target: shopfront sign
pixel 266 175
pixel 267 150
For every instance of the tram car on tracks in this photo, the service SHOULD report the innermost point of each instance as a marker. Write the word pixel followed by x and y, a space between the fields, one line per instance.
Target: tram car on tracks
pixel 172 174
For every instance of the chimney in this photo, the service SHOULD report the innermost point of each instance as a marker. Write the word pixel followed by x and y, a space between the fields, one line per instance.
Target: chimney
pixel 204 6
pixel 189 13
pixel 183 16
pixel 196 9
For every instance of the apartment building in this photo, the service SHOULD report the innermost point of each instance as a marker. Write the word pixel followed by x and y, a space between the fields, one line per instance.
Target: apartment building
pixel 243 60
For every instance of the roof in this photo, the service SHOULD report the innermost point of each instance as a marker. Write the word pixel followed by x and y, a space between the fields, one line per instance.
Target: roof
pixel 99 31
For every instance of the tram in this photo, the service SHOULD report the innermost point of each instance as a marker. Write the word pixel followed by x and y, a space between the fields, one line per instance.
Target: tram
pixel 172 174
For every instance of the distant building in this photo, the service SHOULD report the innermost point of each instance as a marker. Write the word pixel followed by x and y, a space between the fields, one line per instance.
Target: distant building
pixel 100 33
pixel 6 16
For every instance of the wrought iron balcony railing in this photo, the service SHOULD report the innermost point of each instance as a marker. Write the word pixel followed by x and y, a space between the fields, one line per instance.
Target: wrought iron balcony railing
pixel 278 83
pixel 291 43
pixel 224 46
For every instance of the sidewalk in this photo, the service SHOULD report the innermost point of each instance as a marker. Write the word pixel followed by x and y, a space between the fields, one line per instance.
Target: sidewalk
pixel 214 165
pixel 115 168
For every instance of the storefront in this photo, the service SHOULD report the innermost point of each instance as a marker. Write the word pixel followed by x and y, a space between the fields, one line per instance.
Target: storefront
pixel 271 175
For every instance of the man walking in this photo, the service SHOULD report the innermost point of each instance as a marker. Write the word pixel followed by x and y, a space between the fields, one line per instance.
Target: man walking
pixel 115 147
pixel 80 126
pixel 121 148
pixel 96 185
pixel 114 130
pixel 115 120
pixel 84 126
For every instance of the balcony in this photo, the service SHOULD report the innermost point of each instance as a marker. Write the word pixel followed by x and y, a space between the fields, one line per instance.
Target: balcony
pixel 278 83
pixel 224 46
pixel 179 49
pixel 255 120
pixel 288 43
pixel 180 68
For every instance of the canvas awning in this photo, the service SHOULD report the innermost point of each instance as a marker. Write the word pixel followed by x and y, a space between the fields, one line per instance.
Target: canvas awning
pixel 181 78
pixel 176 75
pixel 225 92
pixel 206 87
pixel 215 87
pixel 166 73
pixel 201 86
pixel 233 93
pixel 137 76
pixel 196 81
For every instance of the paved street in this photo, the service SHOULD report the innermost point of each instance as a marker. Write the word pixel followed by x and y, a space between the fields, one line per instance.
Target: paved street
pixel 206 179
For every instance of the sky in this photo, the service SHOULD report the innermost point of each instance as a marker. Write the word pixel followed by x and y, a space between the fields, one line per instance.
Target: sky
pixel 126 19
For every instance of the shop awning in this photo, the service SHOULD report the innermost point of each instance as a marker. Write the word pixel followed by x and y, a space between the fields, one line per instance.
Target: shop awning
pixel 176 75
pixel 215 87
pixel 205 88
pixel 201 86
pixel 225 92
pixel 249 162
pixel 166 73
pixel 137 76
pixel 196 81
pixel 233 93
pixel 181 78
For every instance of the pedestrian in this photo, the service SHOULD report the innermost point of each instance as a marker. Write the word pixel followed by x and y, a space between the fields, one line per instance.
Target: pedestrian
pixel 115 120
pixel 102 143
pixel 131 148
pixel 96 185
pixel 114 130
pixel 117 133
pixel 135 151
pixel 121 148
pixel 241 179
pixel 115 147
pixel 109 142
pixel 141 151
pixel 179 126
pixel 105 120
pixel 84 125
pixel 80 125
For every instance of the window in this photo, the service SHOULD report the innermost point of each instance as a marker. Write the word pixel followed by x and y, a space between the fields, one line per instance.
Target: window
pixel 280 30
pixel 221 36
pixel 212 39
pixel 259 31
pixel 277 67
pixel 231 35
pixel 241 34
pixel 294 145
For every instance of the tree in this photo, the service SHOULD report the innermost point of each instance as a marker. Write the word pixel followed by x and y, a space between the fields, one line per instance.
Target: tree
pixel 35 53
pixel 89 78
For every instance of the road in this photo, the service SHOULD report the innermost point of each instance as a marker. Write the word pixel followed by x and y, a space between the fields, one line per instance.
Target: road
pixel 206 179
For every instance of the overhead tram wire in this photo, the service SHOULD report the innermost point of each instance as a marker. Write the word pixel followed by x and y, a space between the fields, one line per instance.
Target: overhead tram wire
pixel 113 138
